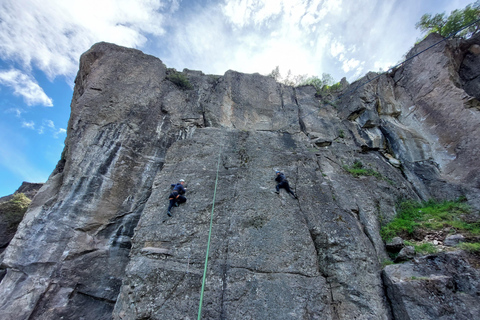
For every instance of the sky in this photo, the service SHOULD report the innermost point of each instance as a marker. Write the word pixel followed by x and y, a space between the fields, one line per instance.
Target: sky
pixel 41 43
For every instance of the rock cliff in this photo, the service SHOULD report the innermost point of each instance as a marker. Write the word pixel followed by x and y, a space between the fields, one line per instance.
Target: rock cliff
pixel 96 241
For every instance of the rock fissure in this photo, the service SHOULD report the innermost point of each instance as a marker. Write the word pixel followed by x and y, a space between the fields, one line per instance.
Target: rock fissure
pixel 104 231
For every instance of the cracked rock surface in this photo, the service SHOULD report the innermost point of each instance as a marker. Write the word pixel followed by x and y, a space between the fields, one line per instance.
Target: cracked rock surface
pixel 97 243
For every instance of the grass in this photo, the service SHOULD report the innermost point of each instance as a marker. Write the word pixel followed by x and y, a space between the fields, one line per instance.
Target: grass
pixel 423 248
pixel 357 170
pixel 180 80
pixel 471 247
pixel 429 215
pixel 419 278
pixel 386 262
pixel 12 211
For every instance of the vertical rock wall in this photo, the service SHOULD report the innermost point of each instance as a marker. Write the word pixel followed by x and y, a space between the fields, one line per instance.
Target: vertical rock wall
pixel 97 241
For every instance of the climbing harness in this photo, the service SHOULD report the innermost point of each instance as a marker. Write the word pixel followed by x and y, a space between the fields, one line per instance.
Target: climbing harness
pixel 208 242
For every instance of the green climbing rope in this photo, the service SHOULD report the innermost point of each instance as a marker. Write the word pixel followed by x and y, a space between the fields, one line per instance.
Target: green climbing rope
pixel 208 243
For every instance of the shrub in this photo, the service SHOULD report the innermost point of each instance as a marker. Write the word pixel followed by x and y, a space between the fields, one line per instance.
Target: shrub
pixel 12 211
pixel 180 80
pixel 357 169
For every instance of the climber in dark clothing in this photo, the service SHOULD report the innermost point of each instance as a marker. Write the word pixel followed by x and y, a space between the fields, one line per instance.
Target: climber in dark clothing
pixel 283 183
pixel 179 187
pixel 176 197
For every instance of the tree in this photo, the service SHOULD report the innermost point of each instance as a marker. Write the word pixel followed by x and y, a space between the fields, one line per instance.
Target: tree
pixel 457 20
pixel 321 85
pixel 275 74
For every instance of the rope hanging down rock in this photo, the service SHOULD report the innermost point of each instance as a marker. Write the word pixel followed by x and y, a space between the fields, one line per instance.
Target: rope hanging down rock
pixel 208 242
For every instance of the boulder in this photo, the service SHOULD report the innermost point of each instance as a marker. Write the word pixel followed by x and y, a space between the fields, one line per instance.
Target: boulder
pixel 405 254
pixel 441 286
pixel 395 245
pixel 453 239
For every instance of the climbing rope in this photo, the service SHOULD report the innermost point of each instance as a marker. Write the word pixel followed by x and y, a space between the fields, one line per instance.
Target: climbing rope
pixel 328 102
pixel 208 242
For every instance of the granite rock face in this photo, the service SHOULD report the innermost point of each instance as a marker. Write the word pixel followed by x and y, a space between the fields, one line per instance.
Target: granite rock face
pixel 97 242
pixel 443 286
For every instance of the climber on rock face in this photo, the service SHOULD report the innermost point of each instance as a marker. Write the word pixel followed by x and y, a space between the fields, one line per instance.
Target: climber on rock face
pixel 283 183
pixel 176 197
pixel 179 187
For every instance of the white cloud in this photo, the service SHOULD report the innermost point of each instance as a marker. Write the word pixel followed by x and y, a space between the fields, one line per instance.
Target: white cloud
pixel 52 34
pixel 244 35
pixel 28 124
pixel 336 48
pixel 59 132
pixel 17 111
pixel 350 64
pixel 49 123
pixel 25 86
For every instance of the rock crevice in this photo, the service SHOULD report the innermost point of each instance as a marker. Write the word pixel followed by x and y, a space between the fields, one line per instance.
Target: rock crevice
pixel 109 249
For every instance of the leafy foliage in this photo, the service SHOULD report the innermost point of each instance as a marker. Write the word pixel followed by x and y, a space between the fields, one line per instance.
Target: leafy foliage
pixel 430 215
pixel 324 85
pixel 446 25
pixel 180 80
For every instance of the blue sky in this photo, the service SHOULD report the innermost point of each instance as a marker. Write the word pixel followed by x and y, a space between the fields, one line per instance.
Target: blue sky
pixel 41 42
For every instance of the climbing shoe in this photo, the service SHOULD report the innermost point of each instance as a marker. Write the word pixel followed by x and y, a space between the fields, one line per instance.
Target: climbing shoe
pixel 277 192
pixel 176 204
pixel 169 214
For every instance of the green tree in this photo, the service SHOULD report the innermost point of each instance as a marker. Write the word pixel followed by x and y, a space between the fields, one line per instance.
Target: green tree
pixel 446 25
pixel 323 85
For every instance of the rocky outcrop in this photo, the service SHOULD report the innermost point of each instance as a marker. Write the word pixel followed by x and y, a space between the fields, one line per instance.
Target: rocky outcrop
pixel 12 214
pixel 97 242
pixel 29 189
pixel 443 286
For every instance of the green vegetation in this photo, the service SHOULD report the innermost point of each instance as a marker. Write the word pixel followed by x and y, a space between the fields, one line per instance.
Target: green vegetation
pixel 422 248
pixel 429 215
pixel 12 211
pixel 472 247
pixel 446 25
pixel 179 79
pixel 323 86
pixel 386 262
pixel 419 278
pixel 357 169
pixel 341 134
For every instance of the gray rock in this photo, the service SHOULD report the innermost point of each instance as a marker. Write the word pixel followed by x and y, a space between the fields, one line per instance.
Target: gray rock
pixel 96 241
pixel 395 245
pixel 453 239
pixel 405 254
pixel 443 286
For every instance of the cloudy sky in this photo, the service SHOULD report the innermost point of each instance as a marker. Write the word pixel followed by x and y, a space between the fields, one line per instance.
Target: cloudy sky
pixel 41 42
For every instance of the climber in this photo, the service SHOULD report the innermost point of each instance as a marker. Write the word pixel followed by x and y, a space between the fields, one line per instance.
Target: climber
pixel 179 187
pixel 176 197
pixel 283 183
